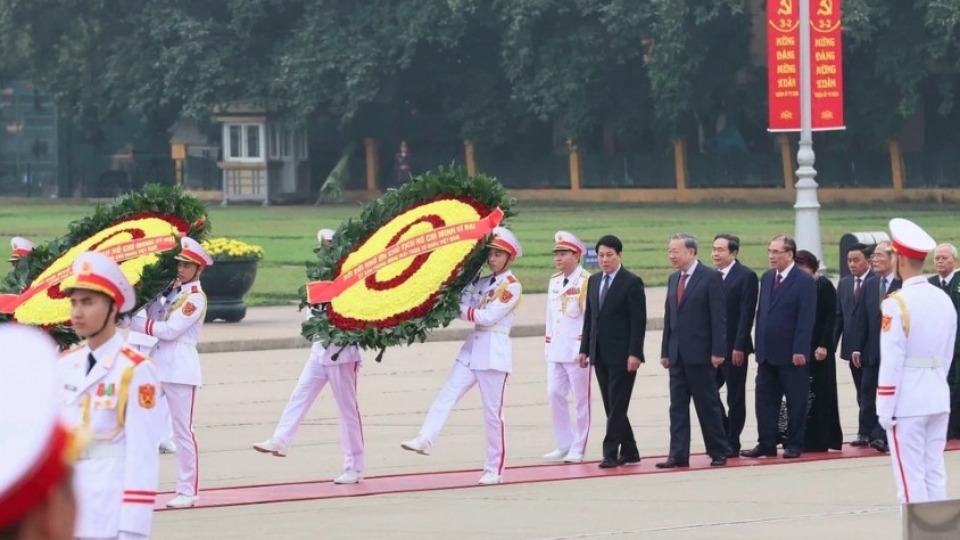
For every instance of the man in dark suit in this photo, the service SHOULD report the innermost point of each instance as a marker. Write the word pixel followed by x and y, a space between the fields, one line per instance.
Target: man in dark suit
pixel 948 279
pixel 785 318
pixel 615 321
pixel 740 288
pixel 693 346
pixel 866 353
pixel 849 296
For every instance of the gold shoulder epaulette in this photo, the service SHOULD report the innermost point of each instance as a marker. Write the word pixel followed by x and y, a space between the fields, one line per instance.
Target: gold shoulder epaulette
pixel 511 279
pixel 133 355
pixel 555 275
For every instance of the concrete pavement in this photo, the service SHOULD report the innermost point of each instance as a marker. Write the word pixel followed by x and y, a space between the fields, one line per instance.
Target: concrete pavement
pixel 245 392
pixel 269 328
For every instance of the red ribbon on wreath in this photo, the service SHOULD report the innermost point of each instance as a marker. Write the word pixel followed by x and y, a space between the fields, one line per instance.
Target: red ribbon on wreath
pixel 320 292
pixel 124 251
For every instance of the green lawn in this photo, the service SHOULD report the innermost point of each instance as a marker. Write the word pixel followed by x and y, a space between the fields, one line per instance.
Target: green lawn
pixel 288 234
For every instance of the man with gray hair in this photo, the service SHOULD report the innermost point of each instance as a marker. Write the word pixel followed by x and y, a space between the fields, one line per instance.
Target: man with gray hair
pixel 694 344
pixel 867 352
pixel 948 279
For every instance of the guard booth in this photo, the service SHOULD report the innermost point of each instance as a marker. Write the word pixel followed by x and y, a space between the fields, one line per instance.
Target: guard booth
pixel 870 239
pixel 938 520
pixel 264 159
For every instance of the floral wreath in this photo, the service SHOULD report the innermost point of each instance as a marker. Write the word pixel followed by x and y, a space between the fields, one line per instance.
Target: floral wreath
pixel 138 230
pixel 397 272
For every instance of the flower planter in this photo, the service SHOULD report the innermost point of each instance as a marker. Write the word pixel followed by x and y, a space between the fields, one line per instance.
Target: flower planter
pixel 226 283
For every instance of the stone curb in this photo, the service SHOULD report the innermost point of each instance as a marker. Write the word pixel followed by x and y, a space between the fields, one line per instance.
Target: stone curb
pixel 440 334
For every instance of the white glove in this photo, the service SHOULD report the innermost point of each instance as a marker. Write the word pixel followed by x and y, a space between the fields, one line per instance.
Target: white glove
pixel 887 423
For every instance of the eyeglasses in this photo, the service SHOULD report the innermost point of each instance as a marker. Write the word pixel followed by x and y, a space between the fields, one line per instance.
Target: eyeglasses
pixel 776 251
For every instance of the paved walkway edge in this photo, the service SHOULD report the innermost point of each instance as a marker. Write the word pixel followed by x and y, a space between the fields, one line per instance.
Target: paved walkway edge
pixel 440 334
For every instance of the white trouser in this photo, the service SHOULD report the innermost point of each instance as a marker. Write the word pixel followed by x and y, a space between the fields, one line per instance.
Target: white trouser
pixel 917 444
pixel 343 384
pixel 121 535
pixel 166 424
pixel 492 384
pixel 181 399
pixel 565 378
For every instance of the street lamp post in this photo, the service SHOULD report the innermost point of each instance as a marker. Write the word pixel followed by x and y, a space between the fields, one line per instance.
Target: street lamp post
pixel 807 206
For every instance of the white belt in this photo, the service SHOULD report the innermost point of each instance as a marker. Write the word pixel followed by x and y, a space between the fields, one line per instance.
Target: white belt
pixel 922 363
pixel 185 340
pixel 103 451
pixel 498 328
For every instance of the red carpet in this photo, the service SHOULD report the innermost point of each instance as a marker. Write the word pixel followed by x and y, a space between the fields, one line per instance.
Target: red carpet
pixel 432 481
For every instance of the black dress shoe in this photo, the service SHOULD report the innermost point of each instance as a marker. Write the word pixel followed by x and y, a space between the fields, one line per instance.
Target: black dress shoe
pixel 791 453
pixel 608 463
pixel 671 463
pixel 733 453
pixel 880 445
pixel 860 441
pixel 759 451
pixel 632 460
pixel 718 462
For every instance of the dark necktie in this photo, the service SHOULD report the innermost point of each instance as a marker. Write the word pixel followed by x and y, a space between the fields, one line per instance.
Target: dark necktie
pixel 681 287
pixel 776 282
pixel 91 361
pixel 564 282
pixel 943 284
pixel 883 287
pixel 604 287
pixel 856 290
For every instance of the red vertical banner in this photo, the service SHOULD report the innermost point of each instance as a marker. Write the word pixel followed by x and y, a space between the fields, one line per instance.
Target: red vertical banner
pixel 826 64
pixel 783 64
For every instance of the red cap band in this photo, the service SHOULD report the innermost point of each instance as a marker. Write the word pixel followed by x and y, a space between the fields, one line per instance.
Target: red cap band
pixel 503 246
pixel 193 257
pixel 35 485
pixel 99 284
pixel 907 252
pixel 567 245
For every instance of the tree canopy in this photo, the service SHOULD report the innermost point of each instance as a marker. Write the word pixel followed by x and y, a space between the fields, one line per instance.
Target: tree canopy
pixel 480 69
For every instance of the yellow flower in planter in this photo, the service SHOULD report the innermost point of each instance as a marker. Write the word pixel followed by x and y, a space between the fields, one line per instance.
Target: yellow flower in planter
pixel 228 249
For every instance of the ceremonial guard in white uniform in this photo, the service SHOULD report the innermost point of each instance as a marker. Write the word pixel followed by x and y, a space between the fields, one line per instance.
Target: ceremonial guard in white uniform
pixel 110 393
pixel 566 299
pixel 338 366
pixel 486 359
pixel 19 248
pixel 176 322
pixel 918 328
pixel 144 344
pixel 37 501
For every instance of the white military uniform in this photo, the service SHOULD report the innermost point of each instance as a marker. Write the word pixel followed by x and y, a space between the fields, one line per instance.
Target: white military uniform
pixel 341 374
pixel 485 360
pixel 114 402
pixel 37 448
pixel 176 322
pixel 913 399
pixel 320 369
pixel 144 344
pixel 566 299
